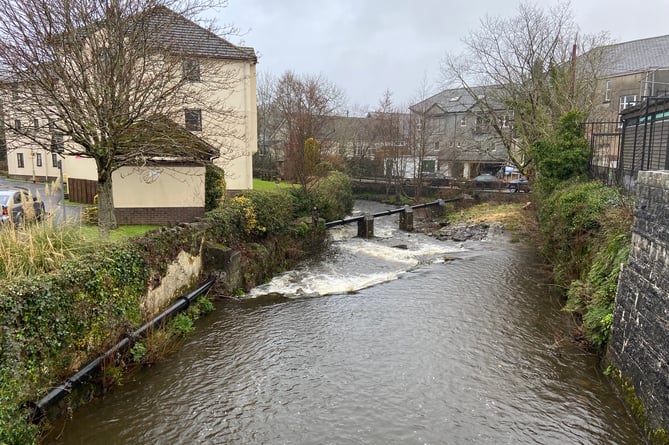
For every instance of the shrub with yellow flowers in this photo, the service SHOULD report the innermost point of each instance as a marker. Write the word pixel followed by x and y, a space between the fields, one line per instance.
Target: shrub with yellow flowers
pixel 248 215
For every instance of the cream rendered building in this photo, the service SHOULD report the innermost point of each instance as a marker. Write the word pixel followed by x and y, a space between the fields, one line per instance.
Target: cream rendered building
pixel 221 113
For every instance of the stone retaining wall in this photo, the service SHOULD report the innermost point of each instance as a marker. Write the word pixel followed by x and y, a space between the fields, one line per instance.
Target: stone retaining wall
pixel 639 344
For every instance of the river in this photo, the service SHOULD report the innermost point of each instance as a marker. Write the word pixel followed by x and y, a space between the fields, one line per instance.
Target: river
pixel 398 340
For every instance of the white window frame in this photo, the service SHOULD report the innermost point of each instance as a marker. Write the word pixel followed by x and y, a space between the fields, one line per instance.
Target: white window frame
pixel 625 102
pixel 607 91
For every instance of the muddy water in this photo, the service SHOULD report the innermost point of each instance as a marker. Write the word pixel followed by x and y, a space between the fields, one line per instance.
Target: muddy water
pixel 430 343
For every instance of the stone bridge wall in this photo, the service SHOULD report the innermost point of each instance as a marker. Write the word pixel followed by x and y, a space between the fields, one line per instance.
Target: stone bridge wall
pixel 639 344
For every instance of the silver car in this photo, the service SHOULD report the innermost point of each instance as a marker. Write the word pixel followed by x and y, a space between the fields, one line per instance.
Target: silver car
pixel 14 201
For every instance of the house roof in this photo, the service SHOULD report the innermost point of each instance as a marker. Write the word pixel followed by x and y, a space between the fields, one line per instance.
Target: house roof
pixel 161 138
pixel 185 37
pixel 636 55
pixel 456 100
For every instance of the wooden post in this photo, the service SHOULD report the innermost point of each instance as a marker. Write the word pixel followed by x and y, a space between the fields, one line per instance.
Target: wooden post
pixel 406 219
pixel 366 226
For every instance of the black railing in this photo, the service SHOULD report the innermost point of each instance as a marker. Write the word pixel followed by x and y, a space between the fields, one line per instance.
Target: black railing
pixel 341 222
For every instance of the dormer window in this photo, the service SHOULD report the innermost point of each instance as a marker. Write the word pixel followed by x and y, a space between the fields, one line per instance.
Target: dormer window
pixel 191 68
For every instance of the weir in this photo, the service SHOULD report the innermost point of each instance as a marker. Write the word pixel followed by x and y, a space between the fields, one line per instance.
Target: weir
pixel 366 222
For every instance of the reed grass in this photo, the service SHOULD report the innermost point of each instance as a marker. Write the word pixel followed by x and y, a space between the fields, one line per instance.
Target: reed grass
pixel 40 248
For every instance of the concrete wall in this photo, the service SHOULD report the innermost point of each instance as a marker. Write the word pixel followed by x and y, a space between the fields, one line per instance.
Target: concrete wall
pixel 639 344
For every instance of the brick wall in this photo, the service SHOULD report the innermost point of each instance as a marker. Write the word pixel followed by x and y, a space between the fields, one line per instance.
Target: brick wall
pixel 158 215
pixel 639 344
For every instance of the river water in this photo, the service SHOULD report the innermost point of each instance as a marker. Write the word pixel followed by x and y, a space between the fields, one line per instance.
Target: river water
pixel 427 343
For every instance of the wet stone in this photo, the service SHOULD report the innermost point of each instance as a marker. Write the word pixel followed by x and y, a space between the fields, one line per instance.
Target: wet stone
pixel 467 232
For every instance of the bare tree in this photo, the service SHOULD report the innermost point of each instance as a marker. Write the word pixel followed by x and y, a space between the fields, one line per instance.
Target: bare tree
pixel 527 64
pixel 304 105
pixel 270 123
pixel 392 131
pixel 357 143
pixel 108 79
pixel 420 134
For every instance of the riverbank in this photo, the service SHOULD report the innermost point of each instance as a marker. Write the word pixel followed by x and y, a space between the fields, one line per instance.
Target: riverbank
pixel 54 323
pixel 474 221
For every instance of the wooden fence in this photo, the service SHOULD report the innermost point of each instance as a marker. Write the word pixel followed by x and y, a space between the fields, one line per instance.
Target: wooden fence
pixel 82 190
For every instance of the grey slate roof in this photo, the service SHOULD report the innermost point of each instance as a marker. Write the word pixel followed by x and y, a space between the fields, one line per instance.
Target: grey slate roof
pixel 188 38
pixel 636 56
pixel 455 100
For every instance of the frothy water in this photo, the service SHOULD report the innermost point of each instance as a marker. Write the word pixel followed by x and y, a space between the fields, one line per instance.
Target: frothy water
pixel 353 265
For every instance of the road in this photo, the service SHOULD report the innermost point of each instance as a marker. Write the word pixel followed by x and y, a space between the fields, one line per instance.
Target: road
pixel 52 199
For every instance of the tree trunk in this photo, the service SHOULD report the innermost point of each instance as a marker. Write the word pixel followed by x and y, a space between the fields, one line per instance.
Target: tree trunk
pixel 106 216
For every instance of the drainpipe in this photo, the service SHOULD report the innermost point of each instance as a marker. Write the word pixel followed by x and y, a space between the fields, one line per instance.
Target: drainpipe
pixel 55 395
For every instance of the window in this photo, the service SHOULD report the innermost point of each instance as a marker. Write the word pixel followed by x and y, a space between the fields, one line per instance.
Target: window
pixel 436 145
pixel 463 121
pixel 38 159
pixel 607 92
pixel 429 166
pixel 193 120
pixel 625 102
pixel 479 122
pixel 191 69
pixel 19 160
pixel 57 145
pixel 17 124
pixel 54 159
pixel 36 124
pixel 52 125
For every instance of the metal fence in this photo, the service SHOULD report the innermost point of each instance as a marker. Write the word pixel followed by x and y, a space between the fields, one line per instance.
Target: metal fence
pixel 604 138
pixel 639 142
pixel 645 139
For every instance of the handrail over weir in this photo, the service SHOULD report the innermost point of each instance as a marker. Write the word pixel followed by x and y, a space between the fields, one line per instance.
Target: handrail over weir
pixel 438 202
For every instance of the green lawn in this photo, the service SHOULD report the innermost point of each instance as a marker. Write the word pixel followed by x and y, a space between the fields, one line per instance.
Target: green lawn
pixel 259 184
pixel 91 232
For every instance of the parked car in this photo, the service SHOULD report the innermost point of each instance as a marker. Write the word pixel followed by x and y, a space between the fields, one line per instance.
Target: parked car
pixel 519 185
pixel 486 181
pixel 437 179
pixel 14 201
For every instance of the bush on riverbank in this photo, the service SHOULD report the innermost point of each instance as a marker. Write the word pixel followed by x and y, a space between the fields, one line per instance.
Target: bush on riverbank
pixel 56 320
pixel 332 195
pixel 586 233
pixel 586 227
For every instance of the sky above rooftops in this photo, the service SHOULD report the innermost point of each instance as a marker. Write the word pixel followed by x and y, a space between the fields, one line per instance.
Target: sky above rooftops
pixel 368 46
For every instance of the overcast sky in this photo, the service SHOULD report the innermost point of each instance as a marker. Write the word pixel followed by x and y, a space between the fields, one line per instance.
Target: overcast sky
pixel 368 46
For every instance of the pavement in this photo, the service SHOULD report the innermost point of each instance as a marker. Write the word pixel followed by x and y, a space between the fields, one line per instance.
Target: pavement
pixel 52 200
